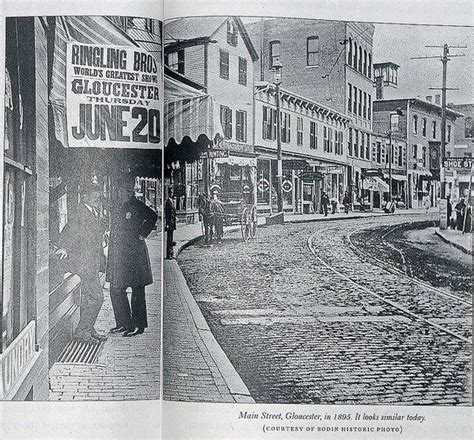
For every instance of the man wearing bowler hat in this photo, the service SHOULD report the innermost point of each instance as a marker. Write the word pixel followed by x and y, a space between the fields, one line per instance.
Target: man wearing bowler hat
pixel 128 262
pixel 80 242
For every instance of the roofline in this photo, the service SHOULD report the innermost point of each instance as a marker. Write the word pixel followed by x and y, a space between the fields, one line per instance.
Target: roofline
pixel 183 79
pixel 422 102
pixel 386 63
pixel 181 44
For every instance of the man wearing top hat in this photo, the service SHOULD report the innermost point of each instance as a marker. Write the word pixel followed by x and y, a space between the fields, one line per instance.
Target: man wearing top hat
pixel 128 262
pixel 80 242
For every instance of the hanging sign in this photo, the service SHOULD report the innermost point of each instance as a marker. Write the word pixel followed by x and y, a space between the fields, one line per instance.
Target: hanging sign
pixel 113 97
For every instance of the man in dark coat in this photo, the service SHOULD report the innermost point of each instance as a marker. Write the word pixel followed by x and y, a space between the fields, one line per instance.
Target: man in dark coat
pixel 460 212
pixel 80 242
pixel 128 262
pixel 217 213
pixel 324 203
pixel 170 223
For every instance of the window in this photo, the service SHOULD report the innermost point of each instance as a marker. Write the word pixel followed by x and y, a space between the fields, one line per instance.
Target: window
pixel 424 156
pixel 360 103
pixel 149 25
pixel 362 145
pixel 326 139
pixel 449 133
pixel 400 155
pixel 349 142
pixel 354 58
pixel 369 107
pixel 369 67
pixel 423 127
pixel 331 140
pixel 269 123
pixel 415 124
pixel 312 51
pixel 242 71
pixel 365 62
pixel 356 143
pixel 176 61
pixel 313 135
pixel 285 127
pixel 365 106
pixel 226 121
pixel 349 97
pixel 339 142
pixel 379 153
pixel 360 60
pixel 299 131
pixel 241 126
pixel 231 33
pixel 349 52
pixel 354 102
pixel 415 151
pixel 274 53
pixel 433 129
pixel 367 146
pixel 224 64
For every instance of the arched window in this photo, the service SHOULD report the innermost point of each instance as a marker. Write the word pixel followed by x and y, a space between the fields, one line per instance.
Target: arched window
pixel 354 56
pixel 369 67
pixel 360 59
pixel 349 53
pixel 365 62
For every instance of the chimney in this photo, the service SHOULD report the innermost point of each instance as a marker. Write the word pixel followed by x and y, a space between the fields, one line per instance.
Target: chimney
pixel 438 99
pixel 429 98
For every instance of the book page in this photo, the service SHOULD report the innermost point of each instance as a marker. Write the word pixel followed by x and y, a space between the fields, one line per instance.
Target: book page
pixel 81 188
pixel 318 256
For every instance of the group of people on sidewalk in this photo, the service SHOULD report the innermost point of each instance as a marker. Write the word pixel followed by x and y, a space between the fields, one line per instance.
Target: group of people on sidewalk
pixel 462 220
pixel 127 263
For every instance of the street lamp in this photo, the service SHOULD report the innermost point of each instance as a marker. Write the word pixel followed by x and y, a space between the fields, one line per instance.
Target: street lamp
pixel 277 66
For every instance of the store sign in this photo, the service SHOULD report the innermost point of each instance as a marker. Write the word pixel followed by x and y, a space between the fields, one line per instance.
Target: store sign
pixel 113 97
pixel 287 186
pixel 310 176
pixel 458 162
pixel 214 154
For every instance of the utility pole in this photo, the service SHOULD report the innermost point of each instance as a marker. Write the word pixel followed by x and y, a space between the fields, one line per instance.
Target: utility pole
pixel 444 59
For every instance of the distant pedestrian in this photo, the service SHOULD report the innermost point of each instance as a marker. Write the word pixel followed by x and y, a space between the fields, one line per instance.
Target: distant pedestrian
pixel 128 264
pixel 217 213
pixel 460 212
pixel 333 206
pixel 426 203
pixel 170 223
pixel 449 211
pixel 81 243
pixel 346 202
pixel 324 203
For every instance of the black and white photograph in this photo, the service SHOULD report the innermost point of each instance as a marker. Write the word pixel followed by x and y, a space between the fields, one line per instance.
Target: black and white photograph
pixel 318 182
pixel 81 289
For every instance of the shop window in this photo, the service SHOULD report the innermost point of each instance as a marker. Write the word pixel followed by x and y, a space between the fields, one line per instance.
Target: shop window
pixel 241 126
pixel 313 135
pixel 242 71
pixel 176 61
pixel 274 53
pixel 312 51
pixel 226 121
pixel 224 64
pixel 299 131
pixel 285 127
pixel 231 33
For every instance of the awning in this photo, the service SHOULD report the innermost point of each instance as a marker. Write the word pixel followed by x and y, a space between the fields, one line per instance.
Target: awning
pixel 83 29
pixel 237 160
pixel 189 113
pixel 399 177
pixel 374 183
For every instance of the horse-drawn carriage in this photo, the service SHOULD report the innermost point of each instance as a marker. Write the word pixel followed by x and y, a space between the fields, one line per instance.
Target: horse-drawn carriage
pixel 231 209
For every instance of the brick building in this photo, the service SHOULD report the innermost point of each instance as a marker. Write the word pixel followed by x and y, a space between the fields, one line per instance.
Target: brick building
pixel 217 53
pixel 329 62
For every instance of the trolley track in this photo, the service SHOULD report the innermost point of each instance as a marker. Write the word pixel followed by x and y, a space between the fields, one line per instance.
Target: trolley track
pixel 371 290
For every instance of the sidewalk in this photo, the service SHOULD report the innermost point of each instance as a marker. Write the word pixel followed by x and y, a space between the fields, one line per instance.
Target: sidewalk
pixel 127 368
pixel 456 238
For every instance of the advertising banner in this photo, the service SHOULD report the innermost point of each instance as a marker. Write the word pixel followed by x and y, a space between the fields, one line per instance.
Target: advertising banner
pixel 113 97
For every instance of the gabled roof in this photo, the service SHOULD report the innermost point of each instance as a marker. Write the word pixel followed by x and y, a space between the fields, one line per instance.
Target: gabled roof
pixel 200 30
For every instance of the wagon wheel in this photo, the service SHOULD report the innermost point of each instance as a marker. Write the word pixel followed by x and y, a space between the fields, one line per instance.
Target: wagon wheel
pixel 244 224
pixel 253 221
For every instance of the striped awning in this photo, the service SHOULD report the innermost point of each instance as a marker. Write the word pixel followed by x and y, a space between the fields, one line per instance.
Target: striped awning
pixel 83 29
pixel 189 113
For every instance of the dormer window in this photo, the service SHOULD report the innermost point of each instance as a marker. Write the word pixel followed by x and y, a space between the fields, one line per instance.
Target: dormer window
pixel 231 33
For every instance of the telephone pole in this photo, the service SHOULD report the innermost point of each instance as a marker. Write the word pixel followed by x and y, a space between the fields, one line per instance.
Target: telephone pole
pixel 444 59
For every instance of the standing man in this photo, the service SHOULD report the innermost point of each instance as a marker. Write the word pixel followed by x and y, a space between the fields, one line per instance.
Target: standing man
pixel 81 242
pixel 170 223
pixel 128 264
pixel 346 201
pixel 217 212
pixel 324 203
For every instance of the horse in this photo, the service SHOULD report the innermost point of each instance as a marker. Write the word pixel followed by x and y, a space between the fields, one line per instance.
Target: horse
pixel 207 217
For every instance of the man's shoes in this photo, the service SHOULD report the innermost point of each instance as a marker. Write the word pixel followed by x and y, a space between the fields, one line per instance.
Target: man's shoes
pixel 100 338
pixel 86 340
pixel 118 329
pixel 136 331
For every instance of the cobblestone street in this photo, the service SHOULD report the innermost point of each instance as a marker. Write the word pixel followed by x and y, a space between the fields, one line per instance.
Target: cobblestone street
pixel 127 368
pixel 296 332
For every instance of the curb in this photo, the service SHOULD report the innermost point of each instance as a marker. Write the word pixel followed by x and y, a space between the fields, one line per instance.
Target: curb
pixel 347 217
pixel 452 243
pixel 234 382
